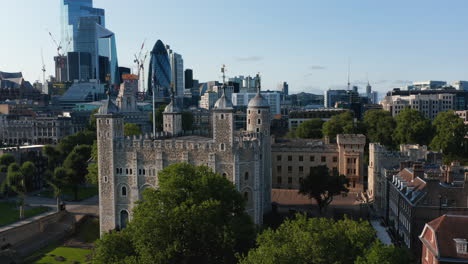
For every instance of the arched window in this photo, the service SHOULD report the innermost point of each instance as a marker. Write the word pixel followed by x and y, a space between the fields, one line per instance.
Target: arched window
pixel 246 196
pixel 222 146
pixel 224 174
pixel 259 121
pixel 124 191
pixel 248 121
pixel 222 116
pixel 246 176
pixel 258 130
pixel 123 219
pixel 258 111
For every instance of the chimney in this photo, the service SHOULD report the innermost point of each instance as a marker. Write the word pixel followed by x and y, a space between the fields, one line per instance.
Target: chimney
pixel 448 175
pixel 418 171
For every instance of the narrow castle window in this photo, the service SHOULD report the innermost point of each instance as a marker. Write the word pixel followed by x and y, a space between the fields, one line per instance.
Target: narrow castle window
pixel 222 116
pixel 105 179
pixel 258 130
pixel 126 171
pixel 246 196
pixel 259 121
pixel 224 174
pixel 248 121
pixel 131 172
pixel 258 111
pixel 222 146
pixel 124 191
pixel 246 176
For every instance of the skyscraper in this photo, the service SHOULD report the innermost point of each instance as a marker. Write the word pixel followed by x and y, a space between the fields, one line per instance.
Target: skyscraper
pixel 159 74
pixel 83 30
pixel 188 79
pixel 71 12
pixel 177 68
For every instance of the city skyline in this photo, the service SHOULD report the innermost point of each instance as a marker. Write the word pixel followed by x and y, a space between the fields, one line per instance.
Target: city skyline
pixel 308 45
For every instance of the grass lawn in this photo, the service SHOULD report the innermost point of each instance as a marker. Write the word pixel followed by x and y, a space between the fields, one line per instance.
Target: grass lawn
pixel 10 213
pixel 68 194
pixel 70 254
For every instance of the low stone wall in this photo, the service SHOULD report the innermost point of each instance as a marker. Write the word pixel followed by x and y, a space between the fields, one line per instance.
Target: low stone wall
pixel 18 232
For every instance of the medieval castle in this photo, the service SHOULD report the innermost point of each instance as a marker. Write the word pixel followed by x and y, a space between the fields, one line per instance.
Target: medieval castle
pixel 128 165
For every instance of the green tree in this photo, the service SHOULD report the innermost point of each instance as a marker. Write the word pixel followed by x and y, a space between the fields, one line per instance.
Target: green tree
pixel 187 121
pixel 131 129
pixel 196 216
pixel 412 127
pixel 115 247
pixel 378 253
pixel 58 181
pixel 5 161
pixel 92 120
pixel 450 132
pixel 310 129
pixel 67 144
pixel 76 164
pixel 340 124
pixel 54 157
pixel 159 117
pixel 379 125
pixel 93 169
pixel 16 180
pixel 322 186
pixel 314 240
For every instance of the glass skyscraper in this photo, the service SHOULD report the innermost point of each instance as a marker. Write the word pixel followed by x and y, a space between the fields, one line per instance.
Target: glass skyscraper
pixel 71 12
pixel 159 74
pixel 84 28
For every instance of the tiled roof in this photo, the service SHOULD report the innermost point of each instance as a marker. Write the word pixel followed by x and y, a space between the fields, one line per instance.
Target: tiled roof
pixel 447 228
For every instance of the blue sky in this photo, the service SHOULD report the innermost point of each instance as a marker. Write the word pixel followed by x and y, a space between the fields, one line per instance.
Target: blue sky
pixel 304 42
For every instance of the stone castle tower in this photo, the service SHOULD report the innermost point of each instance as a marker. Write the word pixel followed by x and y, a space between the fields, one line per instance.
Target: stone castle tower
pixel 128 165
pixel 172 119
pixel 258 121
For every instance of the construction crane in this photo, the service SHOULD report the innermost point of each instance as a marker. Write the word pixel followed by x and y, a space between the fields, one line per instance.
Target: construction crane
pixel 43 68
pixel 140 63
pixel 57 45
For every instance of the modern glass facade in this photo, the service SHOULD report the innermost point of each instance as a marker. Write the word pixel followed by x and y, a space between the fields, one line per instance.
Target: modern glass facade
pixel 84 27
pixel 159 74
pixel 71 12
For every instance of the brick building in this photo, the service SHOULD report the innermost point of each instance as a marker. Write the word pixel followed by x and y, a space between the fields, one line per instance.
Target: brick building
pixel 417 194
pixel 293 159
pixel 445 240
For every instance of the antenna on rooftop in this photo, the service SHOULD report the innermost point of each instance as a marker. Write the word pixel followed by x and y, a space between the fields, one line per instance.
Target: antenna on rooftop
pixel 349 73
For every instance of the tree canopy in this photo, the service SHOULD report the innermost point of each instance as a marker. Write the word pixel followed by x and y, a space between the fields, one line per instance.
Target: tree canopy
pixel 340 124
pixel 76 164
pixel 310 129
pixel 450 132
pixel 379 125
pixel 412 127
pixel 5 161
pixel 314 240
pixel 131 129
pixel 196 216
pixel 321 185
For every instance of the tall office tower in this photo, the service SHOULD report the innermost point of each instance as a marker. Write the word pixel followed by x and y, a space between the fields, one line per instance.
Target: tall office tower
pixel 159 73
pixel 79 65
pixel 83 30
pixel 368 89
pixel 71 12
pixel 284 88
pixel 177 69
pixel 188 79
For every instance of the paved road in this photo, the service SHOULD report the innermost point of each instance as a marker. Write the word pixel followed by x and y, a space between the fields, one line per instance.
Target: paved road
pixel 89 206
